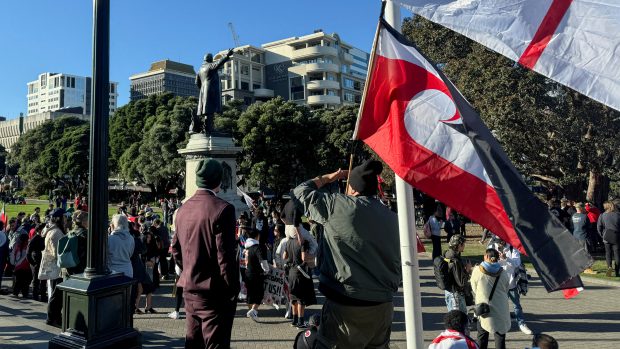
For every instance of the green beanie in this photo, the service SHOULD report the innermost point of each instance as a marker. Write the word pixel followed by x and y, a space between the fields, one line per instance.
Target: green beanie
pixel 209 174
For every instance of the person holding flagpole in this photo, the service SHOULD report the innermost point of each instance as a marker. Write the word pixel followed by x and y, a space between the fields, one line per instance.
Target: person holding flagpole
pixel 361 268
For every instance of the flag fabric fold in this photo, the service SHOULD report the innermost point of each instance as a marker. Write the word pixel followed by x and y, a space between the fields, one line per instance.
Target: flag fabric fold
pixel 573 42
pixel 424 129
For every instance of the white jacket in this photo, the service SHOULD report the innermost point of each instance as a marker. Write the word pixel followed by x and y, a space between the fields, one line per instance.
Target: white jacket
pixel 49 269
pixel 482 284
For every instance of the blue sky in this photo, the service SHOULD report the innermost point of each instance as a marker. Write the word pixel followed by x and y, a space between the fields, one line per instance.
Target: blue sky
pixel 37 36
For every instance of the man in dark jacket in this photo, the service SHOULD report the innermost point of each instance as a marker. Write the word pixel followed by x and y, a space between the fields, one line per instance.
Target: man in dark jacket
pixel 360 268
pixel 459 275
pixel 204 244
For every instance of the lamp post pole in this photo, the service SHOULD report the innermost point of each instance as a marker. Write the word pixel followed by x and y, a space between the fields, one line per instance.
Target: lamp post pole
pixel 98 305
pixel 98 167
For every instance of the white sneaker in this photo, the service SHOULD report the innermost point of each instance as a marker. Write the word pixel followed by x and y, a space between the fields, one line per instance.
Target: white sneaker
pixel 253 314
pixel 288 315
pixel 525 329
pixel 174 315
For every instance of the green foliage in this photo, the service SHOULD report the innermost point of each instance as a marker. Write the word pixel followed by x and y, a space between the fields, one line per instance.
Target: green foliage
pixel 227 121
pixel 3 156
pixel 546 129
pixel 145 136
pixel 279 139
pixel 55 151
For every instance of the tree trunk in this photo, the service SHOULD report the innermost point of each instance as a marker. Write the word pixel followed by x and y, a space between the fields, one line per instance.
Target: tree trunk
pixel 598 188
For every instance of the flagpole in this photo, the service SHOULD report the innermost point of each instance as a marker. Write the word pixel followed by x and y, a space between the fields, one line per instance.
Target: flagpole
pixel 408 242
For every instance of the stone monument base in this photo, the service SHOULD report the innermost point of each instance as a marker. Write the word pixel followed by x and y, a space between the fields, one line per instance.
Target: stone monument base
pixel 222 149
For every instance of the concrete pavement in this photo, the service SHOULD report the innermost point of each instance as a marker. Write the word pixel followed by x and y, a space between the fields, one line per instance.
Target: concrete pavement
pixel 592 319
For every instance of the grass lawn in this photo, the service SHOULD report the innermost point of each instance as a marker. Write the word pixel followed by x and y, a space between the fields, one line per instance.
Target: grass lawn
pixel 474 251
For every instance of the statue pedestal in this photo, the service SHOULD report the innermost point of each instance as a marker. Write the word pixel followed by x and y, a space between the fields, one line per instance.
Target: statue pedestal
pixel 222 149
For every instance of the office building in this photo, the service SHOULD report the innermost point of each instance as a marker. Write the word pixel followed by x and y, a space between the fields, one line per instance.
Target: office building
pixel 11 130
pixel 164 76
pixel 58 91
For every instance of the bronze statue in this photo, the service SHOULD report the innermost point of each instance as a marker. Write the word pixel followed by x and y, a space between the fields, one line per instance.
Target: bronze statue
pixel 210 98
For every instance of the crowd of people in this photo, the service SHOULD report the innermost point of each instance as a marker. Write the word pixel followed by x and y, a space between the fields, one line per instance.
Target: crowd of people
pixel 217 259
pixel 501 279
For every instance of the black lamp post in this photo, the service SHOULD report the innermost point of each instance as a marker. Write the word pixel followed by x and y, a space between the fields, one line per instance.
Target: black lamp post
pixel 97 304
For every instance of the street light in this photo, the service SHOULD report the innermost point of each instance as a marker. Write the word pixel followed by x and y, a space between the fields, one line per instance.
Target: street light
pixel 97 304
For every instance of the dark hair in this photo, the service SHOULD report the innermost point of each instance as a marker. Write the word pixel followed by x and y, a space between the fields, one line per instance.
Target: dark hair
pixel 455 320
pixel 492 254
pixel 252 233
pixel 545 341
pixel 157 221
pixel 59 223
pixel 1 225
pixel 39 227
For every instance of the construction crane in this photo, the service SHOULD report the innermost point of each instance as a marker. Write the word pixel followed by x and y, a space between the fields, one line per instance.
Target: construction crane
pixel 234 34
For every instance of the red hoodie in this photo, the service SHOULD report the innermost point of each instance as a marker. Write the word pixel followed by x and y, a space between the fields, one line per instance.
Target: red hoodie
pixel 593 213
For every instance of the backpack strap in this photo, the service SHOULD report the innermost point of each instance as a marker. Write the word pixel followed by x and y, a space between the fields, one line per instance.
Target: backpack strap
pixel 495 285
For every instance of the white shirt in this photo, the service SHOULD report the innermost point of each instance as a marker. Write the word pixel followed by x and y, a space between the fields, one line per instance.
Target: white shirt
pixel 511 264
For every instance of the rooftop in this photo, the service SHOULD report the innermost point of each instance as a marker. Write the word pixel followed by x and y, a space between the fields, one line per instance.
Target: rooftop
pixel 172 65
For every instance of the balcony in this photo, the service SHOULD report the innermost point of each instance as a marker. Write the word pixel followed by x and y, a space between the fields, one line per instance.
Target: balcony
pixel 263 93
pixel 323 84
pixel 348 58
pixel 314 51
pixel 322 67
pixel 323 99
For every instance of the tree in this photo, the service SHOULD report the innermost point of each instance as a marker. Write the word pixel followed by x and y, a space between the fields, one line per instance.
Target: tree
pixel 227 121
pixel 54 153
pixel 278 140
pixel 3 159
pixel 548 131
pixel 151 155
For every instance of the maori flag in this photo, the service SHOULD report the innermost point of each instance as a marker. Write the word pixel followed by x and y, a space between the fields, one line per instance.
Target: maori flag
pixel 422 127
pixel 574 42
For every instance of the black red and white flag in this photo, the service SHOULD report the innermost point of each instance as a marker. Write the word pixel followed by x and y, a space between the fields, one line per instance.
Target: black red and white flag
pixel 422 127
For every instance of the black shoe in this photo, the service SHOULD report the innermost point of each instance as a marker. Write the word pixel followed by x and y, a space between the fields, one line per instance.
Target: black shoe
pixel 53 323
pixel 150 310
pixel 302 326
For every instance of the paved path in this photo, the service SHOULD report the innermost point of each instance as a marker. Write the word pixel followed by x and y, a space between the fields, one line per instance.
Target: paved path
pixel 592 319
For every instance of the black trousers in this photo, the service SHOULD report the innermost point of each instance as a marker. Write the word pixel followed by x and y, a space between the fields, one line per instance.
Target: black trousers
pixel 54 305
pixel 615 250
pixel 21 282
pixel 39 289
pixel 436 245
pixel 483 338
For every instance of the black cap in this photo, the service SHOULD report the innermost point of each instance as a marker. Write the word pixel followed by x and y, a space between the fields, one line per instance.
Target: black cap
pixel 57 212
pixel 363 178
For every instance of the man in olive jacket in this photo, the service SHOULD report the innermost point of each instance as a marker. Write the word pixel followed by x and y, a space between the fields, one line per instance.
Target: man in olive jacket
pixel 360 268
pixel 204 245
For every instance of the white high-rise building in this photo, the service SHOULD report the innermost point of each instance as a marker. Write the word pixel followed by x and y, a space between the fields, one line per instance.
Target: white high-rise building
pixel 319 70
pixel 58 91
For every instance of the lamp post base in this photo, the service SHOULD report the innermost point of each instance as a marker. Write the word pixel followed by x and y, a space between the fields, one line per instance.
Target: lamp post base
pixel 97 314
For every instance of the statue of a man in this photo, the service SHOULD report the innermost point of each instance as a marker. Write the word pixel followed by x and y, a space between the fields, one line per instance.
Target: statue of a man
pixel 210 98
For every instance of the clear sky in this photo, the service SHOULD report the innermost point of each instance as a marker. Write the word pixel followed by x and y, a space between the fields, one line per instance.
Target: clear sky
pixel 39 36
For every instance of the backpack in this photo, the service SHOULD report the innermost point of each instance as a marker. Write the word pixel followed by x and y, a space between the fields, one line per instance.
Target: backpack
pixel 522 279
pixel 427 230
pixel 68 251
pixel 443 276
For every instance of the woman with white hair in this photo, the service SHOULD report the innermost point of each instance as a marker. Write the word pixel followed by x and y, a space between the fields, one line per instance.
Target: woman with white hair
pixel 120 246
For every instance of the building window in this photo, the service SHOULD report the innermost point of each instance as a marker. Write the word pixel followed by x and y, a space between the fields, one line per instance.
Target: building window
pixel 111 88
pixel 357 86
pixel 256 57
pixel 332 93
pixel 348 83
pixel 245 69
pixel 349 97
pixel 297 88
pixel 43 81
pixel 245 86
pixel 255 86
